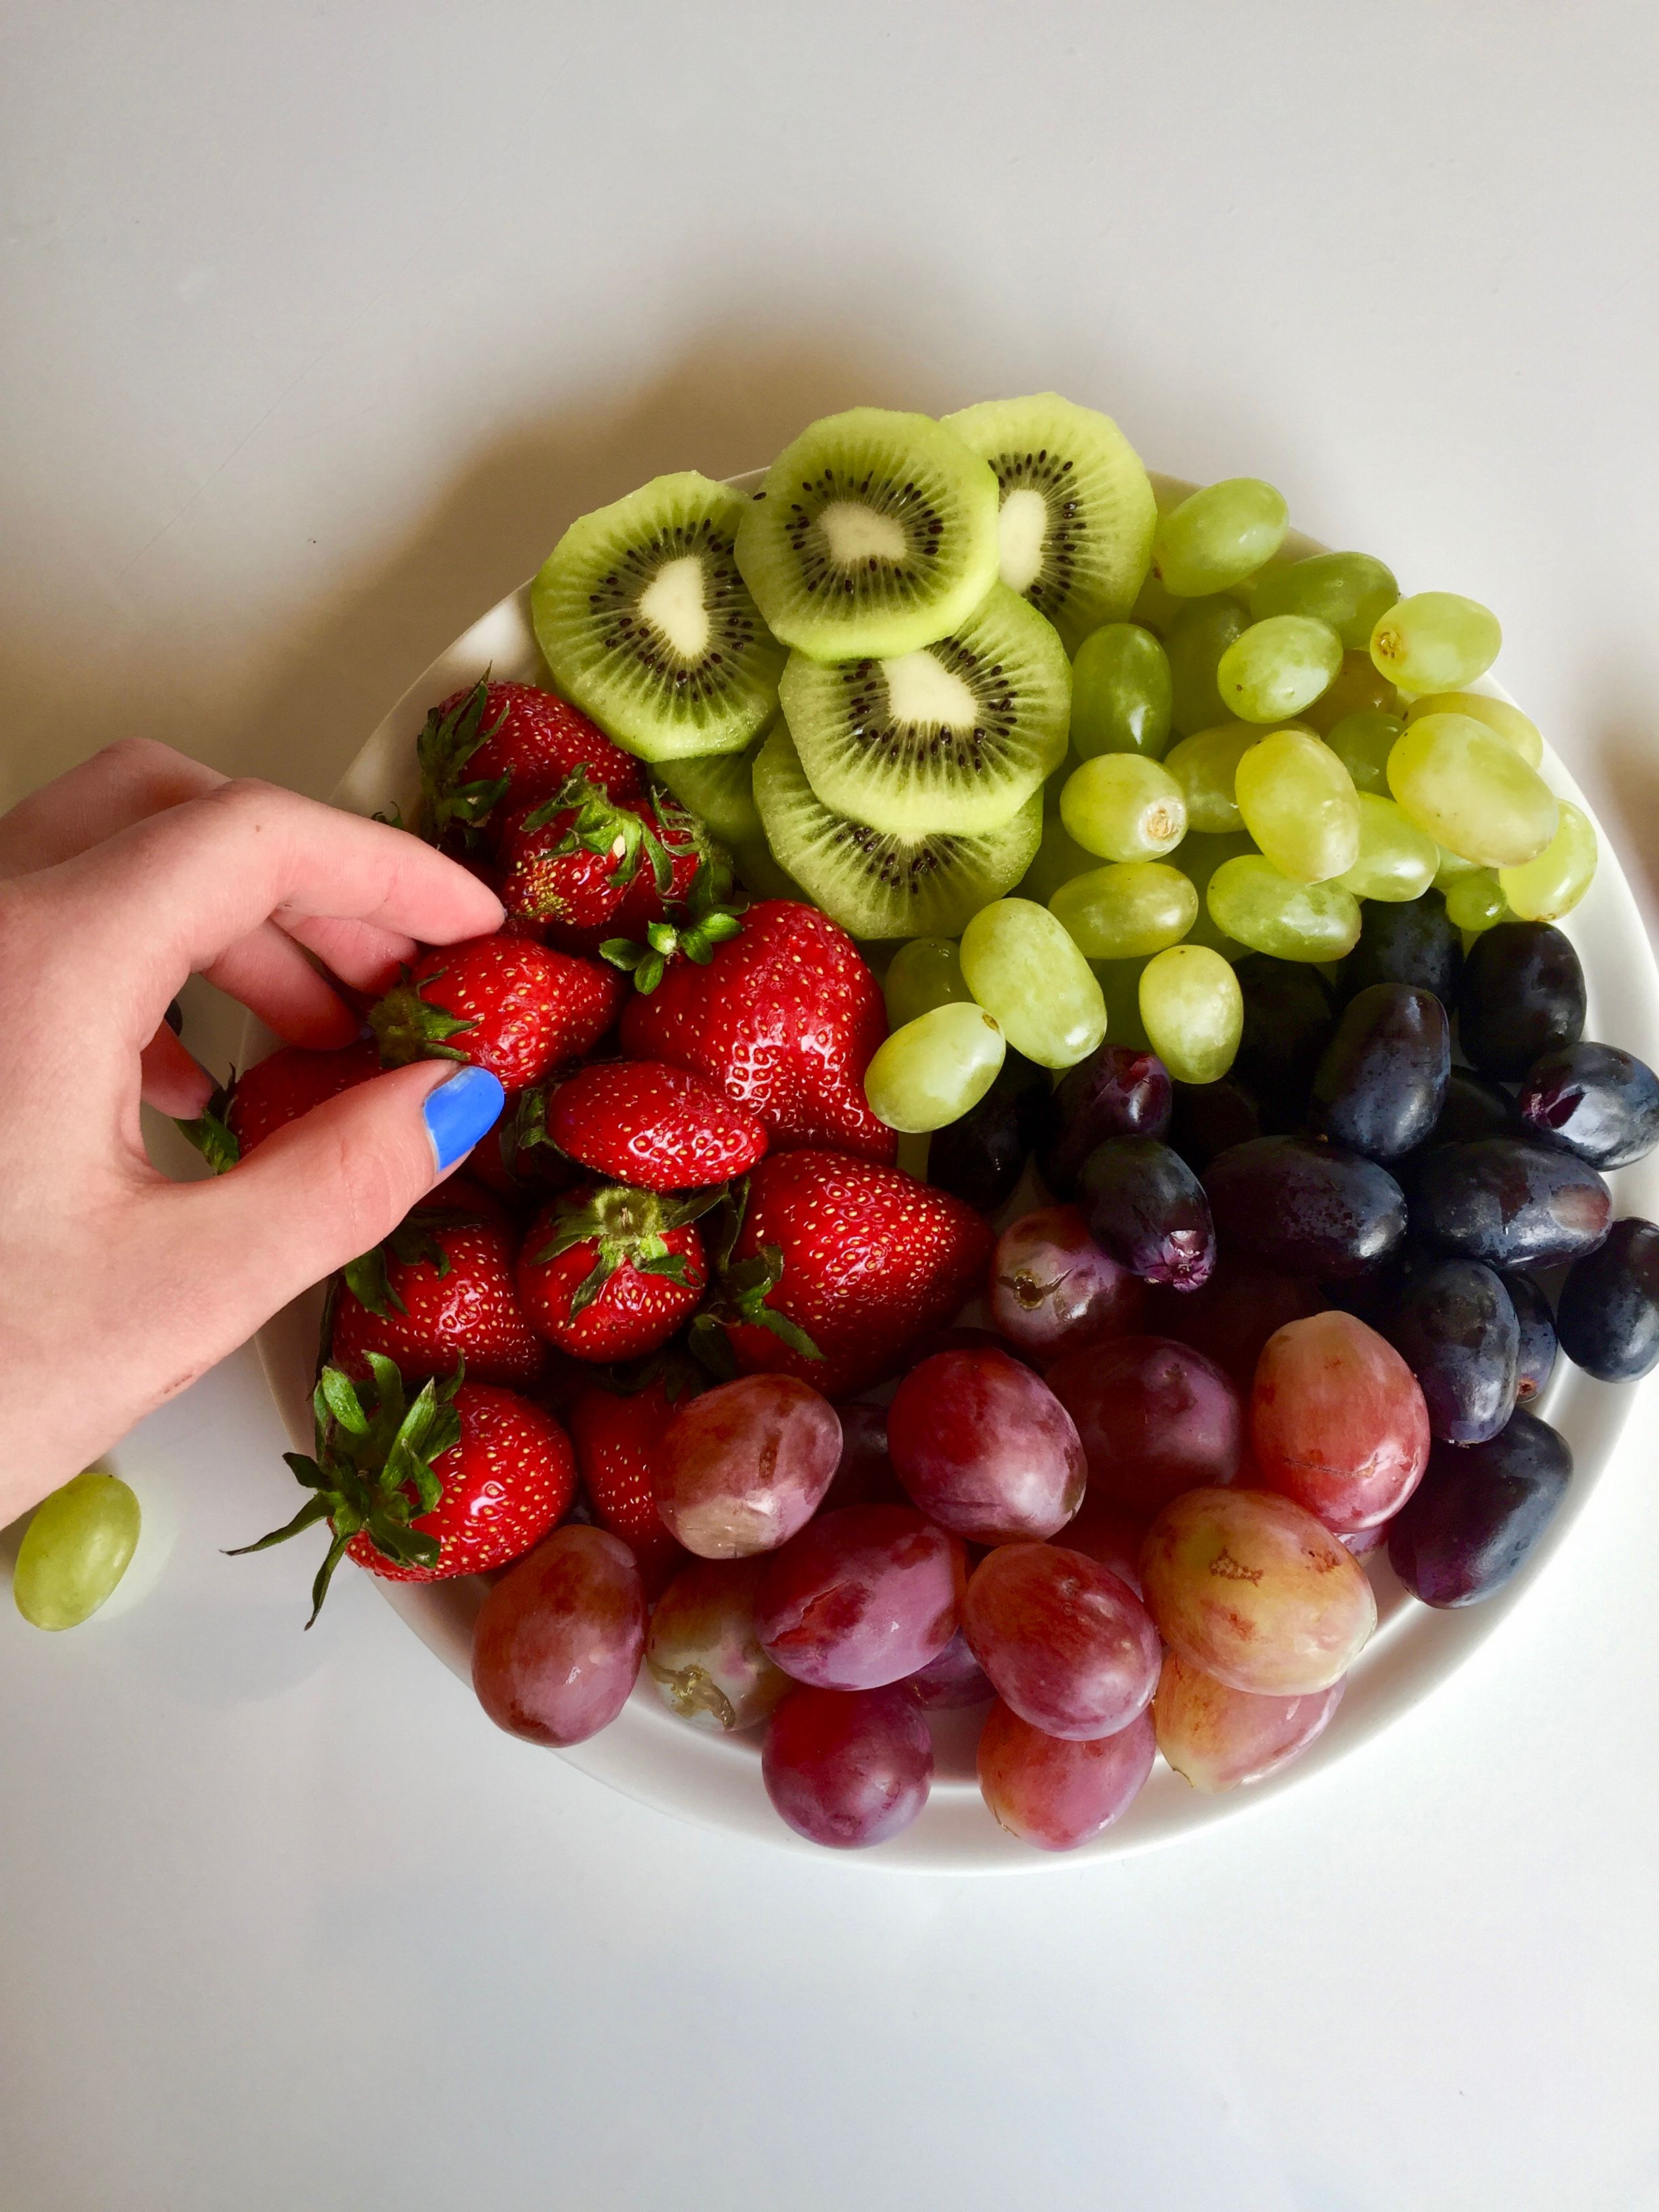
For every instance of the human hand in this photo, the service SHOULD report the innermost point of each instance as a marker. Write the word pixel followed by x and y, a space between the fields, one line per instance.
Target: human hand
pixel 117 882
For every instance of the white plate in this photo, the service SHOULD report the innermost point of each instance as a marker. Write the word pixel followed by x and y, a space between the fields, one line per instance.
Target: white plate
pixel 651 1755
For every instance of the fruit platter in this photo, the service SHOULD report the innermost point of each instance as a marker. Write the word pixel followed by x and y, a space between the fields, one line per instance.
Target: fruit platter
pixel 1068 1233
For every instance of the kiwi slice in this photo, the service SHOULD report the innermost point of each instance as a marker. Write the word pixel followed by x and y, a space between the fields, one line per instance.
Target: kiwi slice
pixel 718 789
pixel 874 533
pixel 956 735
pixel 1075 527
pixel 874 882
pixel 648 626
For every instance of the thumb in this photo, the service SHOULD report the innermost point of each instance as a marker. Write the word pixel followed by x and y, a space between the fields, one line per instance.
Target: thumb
pixel 333 1183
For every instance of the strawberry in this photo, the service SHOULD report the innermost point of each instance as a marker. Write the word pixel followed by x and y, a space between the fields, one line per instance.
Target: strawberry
pixel 440 1291
pixel 614 1435
pixel 657 1126
pixel 502 1002
pixel 778 1009
pixel 846 1260
pixel 518 1160
pixel 273 1092
pixel 608 1273
pixel 479 745
pixel 463 1478
pixel 581 867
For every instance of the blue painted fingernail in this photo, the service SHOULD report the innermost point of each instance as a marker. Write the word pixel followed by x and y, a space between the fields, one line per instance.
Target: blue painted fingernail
pixel 459 1111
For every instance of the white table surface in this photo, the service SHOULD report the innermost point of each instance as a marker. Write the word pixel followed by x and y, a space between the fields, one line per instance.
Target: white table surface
pixel 318 324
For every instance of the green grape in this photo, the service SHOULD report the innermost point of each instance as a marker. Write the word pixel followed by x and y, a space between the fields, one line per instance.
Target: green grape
pixel 1155 609
pixel 1545 889
pixel 1124 807
pixel 1349 591
pixel 1277 667
pixel 1472 792
pixel 935 1068
pixel 1197 638
pixel 75 1549
pixel 1028 975
pixel 1198 856
pixel 911 1157
pixel 1362 742
pixel 1451 866
pixel 1436 641
pixel 1359 688
pixel 1511 724
pixel 1121 693
pixel 1120 983
pixel 1193 1011
pixel 1057 859
pixel 1251 901
pixel 924 974
pixel 1206 766
pixel 1476 901
pixel 1397 860
pixel 1298 803
pixel 1219 536
pixel 1125 911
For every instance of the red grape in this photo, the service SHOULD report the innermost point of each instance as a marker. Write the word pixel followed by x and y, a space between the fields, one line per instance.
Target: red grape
pixel 1100 1531
pixel 860 1597
pixel 864 1474
pixel 702 1652
pixel 953 1678
pixel 1052 1286
pixel 1058 1793
pixel 1248 1587
pixel 739 1469
pixel 1231 1317
pixel 1337 1421
pixel 849 1767
pixel 1064 1643
pixel 557 1644
pixel 1155 1418
pixel 984 1447
pixel 1219 1737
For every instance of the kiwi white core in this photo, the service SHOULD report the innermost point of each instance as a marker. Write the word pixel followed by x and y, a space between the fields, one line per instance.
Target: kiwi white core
pixel 673 604
pixel 922 692
pixel 1022 527
pixel 854 532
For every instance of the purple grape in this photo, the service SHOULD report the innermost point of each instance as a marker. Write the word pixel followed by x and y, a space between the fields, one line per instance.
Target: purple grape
pixel 1521 995
pixel 953 1680
pixel 981 1158
pixel 1536 1360
pixel 1508 1201
pixel 1382 1083
pixel 1609 1315
pixel 1412 942
pixel 1116 1092
pixel 1474 1107
pixel 860 1598
pixel 1305 1208
pixel 848 1768
pixel 1477 1513
pixel 1144 1204
pixel 1290 1016
pixel 1600 1102
pixel 1453 1324
pixel 1211 1118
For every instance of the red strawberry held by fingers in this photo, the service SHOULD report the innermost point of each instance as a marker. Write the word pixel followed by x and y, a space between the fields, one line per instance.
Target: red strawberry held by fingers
pixel 273 1092
pixel 610 1272
pixel 437 1293
pixel 853 1261
pixel 783 1013
pixel 652 1125
pixel 459 1478
pixel 582 866
pixel 614 1435
pixel 504 1003
pixel 481 745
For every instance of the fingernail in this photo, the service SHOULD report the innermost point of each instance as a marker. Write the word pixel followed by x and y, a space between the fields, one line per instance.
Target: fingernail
pixel 459 1111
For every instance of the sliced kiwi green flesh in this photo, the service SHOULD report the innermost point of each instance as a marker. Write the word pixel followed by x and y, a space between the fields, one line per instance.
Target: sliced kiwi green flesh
pixel 875 533
pixel 876 884
pixel 718 789
pixel 648 626
pixel 956 735
pixel 1077 514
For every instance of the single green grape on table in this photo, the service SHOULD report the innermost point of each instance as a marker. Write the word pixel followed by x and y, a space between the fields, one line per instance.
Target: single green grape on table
pixel 1436 641
pixel 1298 803
pixel 1476 901
pixel 1277 667
pixel 1193 1012
pixel 1200 633
pixel 1397 860
pixel 1206 766
pixel 935 1068
pixel 1509 723
pixel 1219 536
pixel 1349 591
pixel 78 1544
pixel 1124 807
pixel 1472 791
pixel 1034 981
pixel 1363 742
pixel 1125 911
pixel 921 975
pixel 1121 693
pixel 1251 900
pixel 1545 889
